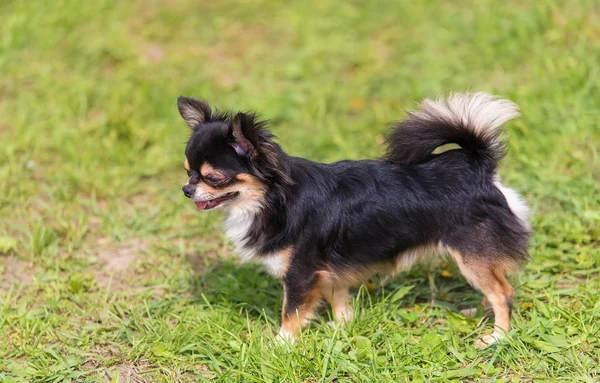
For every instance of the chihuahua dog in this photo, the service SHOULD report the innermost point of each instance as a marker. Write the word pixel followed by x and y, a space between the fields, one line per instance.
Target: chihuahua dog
pixel 323 228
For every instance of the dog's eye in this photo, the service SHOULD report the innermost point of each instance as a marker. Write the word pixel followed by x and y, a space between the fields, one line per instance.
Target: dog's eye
pixel 214 179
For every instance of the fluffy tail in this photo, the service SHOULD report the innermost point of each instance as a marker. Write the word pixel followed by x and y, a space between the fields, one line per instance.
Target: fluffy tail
pixel 471 120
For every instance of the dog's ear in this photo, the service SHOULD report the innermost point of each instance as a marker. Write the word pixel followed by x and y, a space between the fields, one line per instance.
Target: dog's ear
pixel 250 138
pixel 244 138
pixel 193 111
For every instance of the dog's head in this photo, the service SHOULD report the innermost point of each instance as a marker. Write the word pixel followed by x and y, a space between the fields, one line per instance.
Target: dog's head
pixel 231 159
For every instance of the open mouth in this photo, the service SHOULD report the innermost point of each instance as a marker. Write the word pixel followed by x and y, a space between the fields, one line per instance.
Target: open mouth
pixel 210 204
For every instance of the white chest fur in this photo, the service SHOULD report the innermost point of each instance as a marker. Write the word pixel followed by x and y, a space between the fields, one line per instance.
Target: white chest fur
pixel 237 226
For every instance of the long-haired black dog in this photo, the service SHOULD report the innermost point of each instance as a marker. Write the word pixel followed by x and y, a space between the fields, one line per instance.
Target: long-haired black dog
pixel 322 228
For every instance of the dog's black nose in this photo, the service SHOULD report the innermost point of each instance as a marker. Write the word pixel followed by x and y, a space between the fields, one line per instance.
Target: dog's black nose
pixel 188 190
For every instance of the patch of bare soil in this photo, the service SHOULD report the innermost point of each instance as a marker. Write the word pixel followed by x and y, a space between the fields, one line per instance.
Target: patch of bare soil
pixel 130 373
pixel 120 266
pixel 4 128
pixel 14 270
pixel 117 260
pixel 153 52
pixel 134 372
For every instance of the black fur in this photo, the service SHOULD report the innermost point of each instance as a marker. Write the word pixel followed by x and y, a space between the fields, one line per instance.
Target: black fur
pixel 351 215
pixel 413 140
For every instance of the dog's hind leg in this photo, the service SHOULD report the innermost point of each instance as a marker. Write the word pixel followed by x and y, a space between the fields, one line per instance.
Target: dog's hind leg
pixel 487 309
pixel 340 300
pixel 489 277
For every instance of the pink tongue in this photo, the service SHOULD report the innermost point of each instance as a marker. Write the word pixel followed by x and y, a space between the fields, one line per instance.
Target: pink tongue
pixel 202 205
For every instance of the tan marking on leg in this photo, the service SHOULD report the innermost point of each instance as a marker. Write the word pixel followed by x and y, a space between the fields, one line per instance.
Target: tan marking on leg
pixel 293 322
pixel 283 334
pixel 490 279
pixel 505 295
pixel 486 304
pixel 340 300
pixel 285 256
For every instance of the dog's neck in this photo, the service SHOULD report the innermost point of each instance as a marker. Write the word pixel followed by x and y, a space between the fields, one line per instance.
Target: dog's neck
pixel 238 225
pixel 253 227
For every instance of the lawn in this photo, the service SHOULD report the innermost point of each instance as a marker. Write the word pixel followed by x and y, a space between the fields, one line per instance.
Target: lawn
pixel 108 274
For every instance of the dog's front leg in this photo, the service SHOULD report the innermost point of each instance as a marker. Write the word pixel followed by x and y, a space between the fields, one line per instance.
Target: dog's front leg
pixel 302 293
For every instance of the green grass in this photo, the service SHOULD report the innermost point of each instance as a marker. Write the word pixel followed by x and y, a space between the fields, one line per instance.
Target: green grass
pixel 106 271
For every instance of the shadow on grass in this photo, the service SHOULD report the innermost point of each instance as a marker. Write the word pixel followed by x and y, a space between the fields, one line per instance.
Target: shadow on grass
pixel 247 286
pixel 227 283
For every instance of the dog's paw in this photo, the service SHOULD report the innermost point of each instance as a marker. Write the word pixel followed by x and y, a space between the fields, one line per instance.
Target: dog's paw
pixel 487 340
pixel 333 324
pixel 469 313
pixel 284 337
pixel 339 322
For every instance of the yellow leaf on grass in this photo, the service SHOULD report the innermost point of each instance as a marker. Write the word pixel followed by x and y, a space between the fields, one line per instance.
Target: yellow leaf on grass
pixel 357 104
pixel 371 287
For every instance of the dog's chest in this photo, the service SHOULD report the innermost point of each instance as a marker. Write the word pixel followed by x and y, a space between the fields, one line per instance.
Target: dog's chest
pixel 237 228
